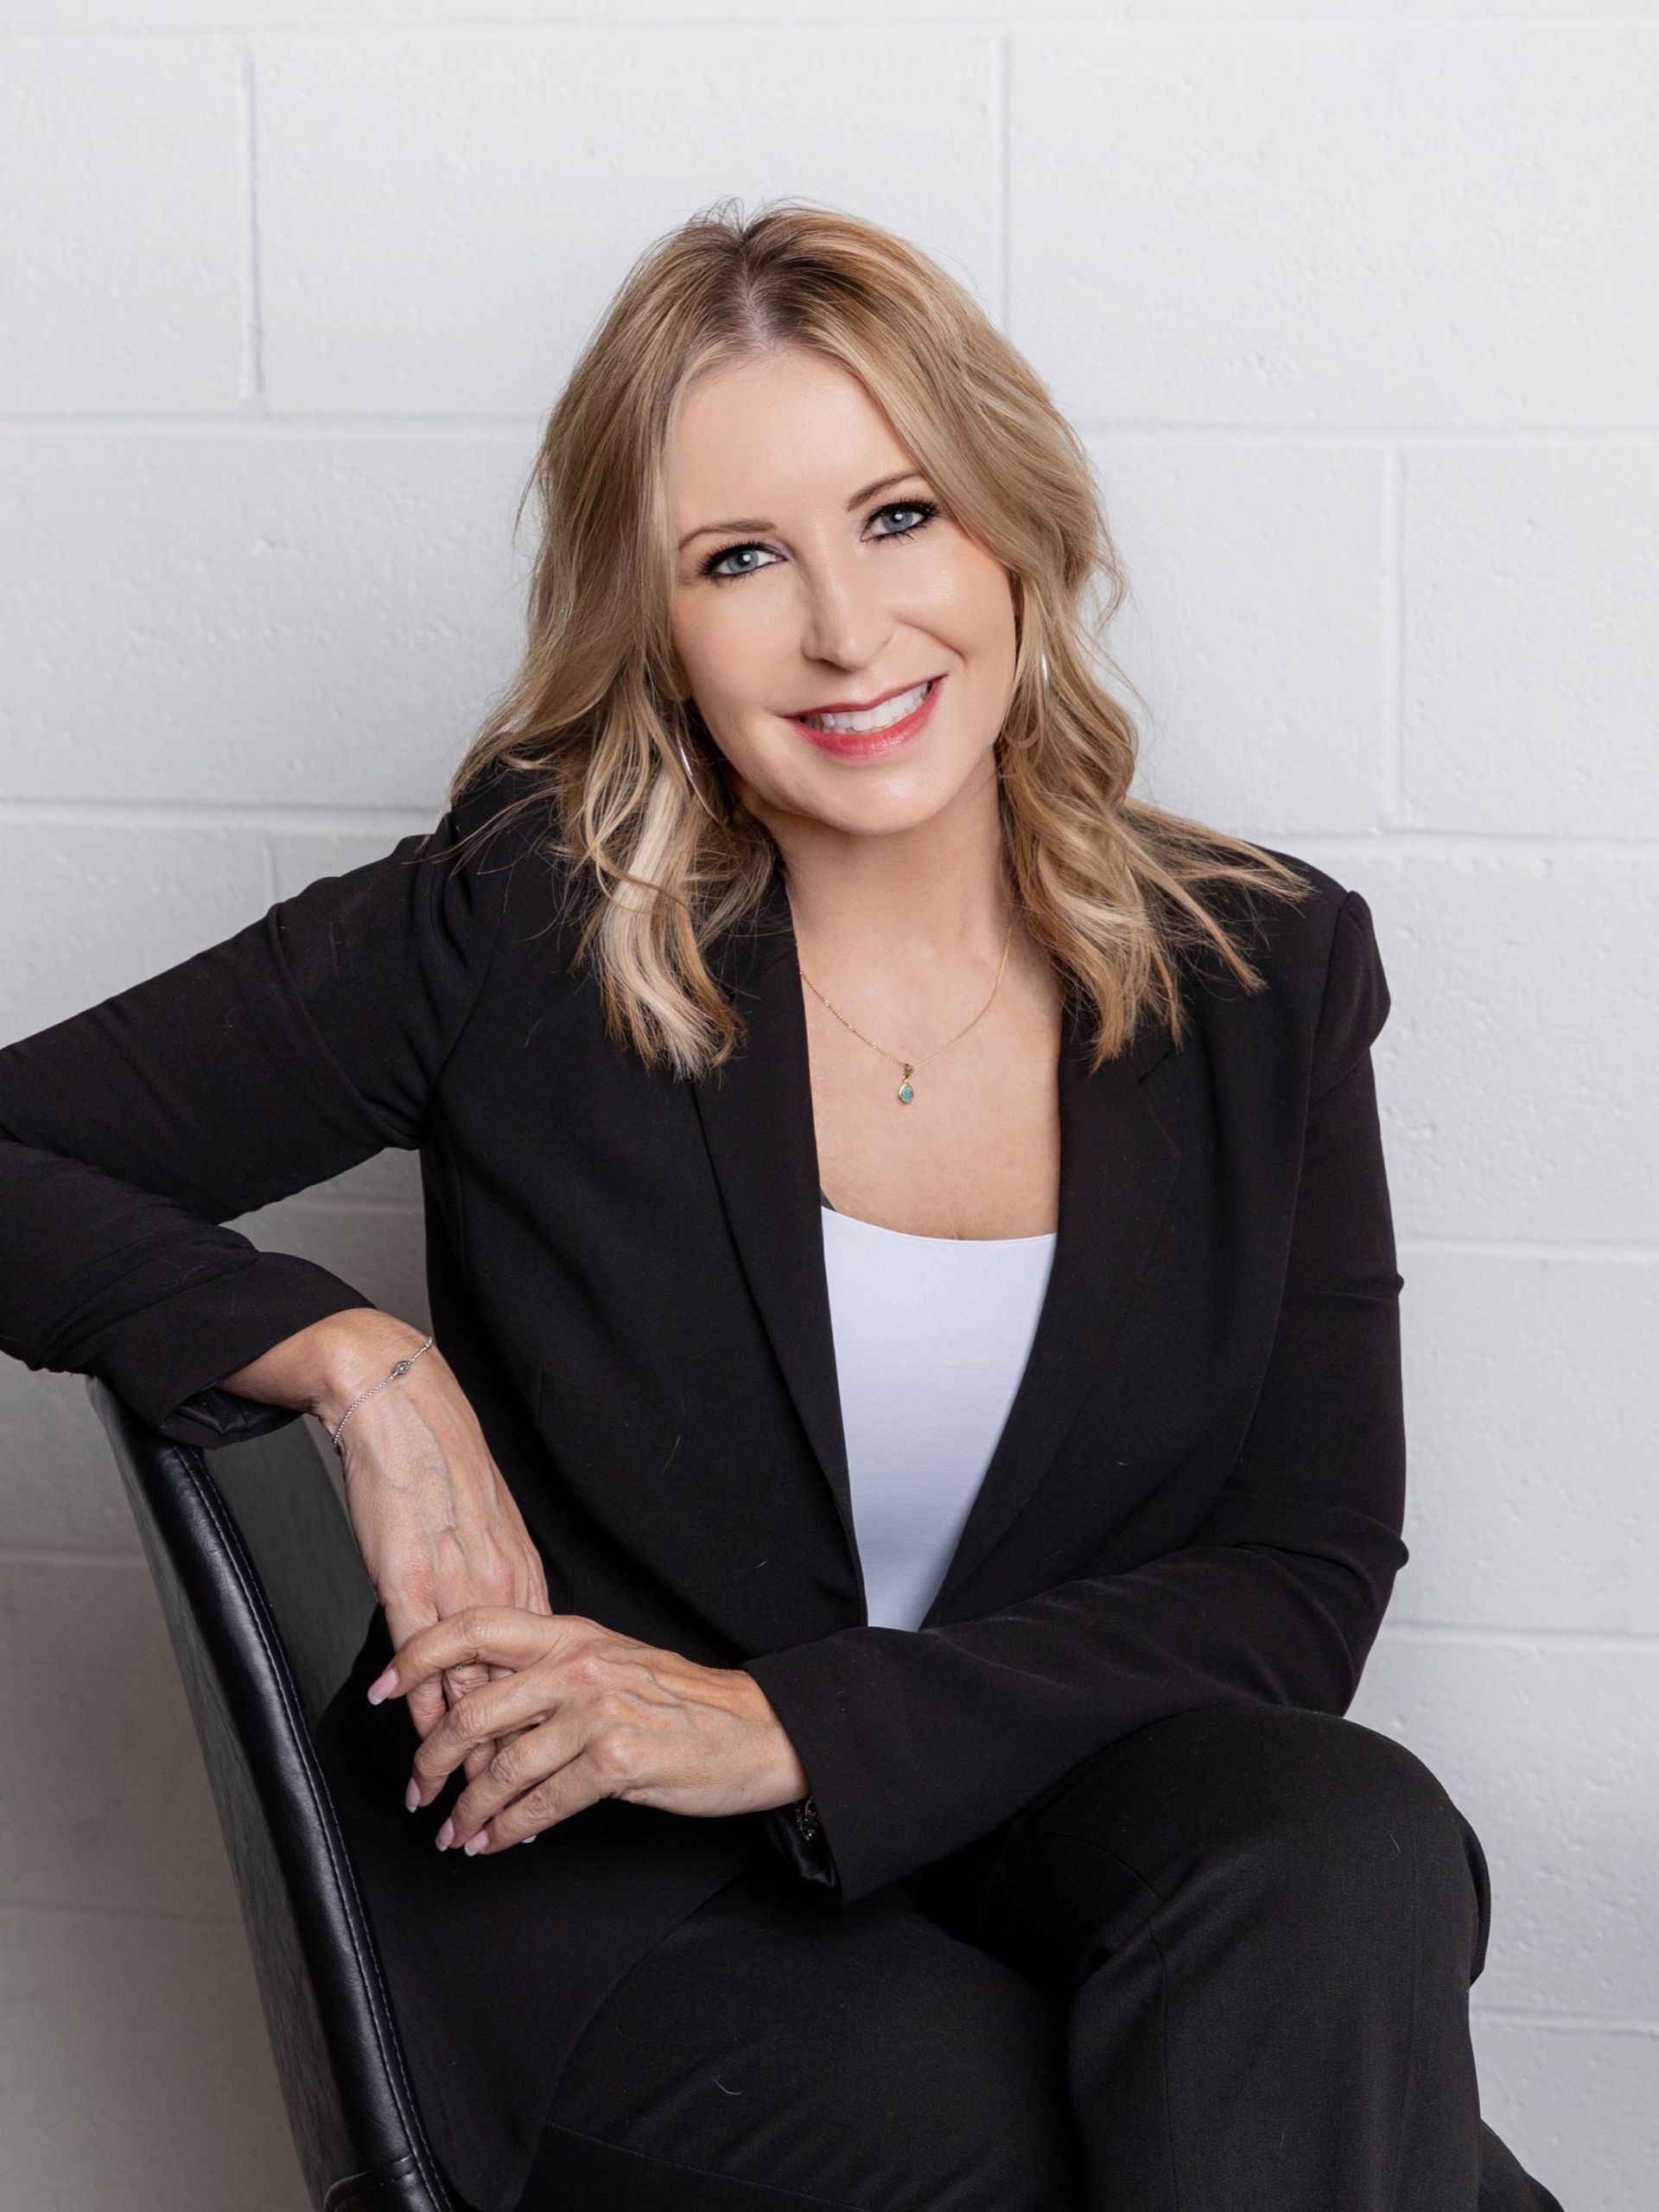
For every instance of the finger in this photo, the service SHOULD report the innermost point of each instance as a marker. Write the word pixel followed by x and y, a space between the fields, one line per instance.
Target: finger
pixel 508 1634
pixel 533 1755
pixel 458 1683
pixel 482 1752
pixel 497 1710
pixel 426 1704
pixel 462 1682
pixel 570 1786
pixel 572 1789
pixel 405 1618
pixel 481 1755
pixel 477 1636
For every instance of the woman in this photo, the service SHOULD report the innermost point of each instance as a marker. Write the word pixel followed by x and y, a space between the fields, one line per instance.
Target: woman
pixel 908 1469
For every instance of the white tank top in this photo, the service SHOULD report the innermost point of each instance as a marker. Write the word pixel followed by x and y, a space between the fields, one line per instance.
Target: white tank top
pixel 931 1337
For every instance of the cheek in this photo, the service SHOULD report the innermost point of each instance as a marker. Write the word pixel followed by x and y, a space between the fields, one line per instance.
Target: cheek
pixel 731 655
pixel 966 601
pixel 732 675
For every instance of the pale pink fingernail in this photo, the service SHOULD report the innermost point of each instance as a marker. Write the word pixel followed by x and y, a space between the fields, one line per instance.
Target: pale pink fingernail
pixel 446 1835
pixel 412 1796
pixel 380 1686
pixel 476 1842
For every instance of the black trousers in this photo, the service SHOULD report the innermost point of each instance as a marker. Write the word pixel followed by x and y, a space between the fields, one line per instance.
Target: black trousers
pixel 1222 1967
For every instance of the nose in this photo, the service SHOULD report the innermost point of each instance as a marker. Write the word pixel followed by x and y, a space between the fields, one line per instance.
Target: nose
pixel 845 611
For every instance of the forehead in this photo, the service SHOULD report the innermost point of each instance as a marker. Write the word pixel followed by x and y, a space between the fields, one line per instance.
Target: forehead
pixel 750 437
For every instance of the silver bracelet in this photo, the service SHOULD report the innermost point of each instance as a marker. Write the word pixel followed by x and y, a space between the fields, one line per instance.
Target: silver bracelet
pixel 401 1368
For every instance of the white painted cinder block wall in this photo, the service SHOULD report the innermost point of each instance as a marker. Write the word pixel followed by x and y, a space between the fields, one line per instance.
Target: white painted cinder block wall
pixel 1356 309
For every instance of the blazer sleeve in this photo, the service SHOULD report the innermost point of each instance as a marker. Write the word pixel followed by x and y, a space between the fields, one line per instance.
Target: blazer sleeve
pixel 129 1133
pixel 915 1742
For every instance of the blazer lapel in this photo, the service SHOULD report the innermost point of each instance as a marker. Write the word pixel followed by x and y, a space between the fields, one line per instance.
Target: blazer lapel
pixel 757 1120
pixel 1118 1166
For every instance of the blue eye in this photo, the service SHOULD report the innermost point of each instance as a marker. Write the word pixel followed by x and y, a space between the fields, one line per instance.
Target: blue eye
pixel 926 509
pixel 730 553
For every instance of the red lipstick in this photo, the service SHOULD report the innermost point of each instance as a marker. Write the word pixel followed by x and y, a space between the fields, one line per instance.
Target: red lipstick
pixel 869 745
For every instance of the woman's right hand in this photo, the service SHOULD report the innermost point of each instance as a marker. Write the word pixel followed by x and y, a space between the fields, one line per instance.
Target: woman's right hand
pixel 437 1527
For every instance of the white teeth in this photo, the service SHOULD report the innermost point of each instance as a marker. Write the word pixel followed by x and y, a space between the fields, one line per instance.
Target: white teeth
pixel 874 718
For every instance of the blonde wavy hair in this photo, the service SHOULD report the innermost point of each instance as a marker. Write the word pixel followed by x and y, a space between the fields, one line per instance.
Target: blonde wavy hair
pixel 657 854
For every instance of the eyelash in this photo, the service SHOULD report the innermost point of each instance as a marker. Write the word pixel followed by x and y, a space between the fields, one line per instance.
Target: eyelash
pixel 926 508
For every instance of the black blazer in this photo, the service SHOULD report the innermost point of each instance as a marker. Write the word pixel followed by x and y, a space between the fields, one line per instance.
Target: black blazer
pixel 1197 1496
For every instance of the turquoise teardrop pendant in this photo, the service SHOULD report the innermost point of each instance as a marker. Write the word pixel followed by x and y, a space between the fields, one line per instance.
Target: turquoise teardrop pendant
pixel 906 1094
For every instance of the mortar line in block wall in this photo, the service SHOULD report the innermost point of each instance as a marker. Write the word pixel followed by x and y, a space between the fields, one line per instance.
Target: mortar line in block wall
pixel 1459 844
pixel 1517 2016
pixel 343 1208
pixel 1002 170
pixel 55 1908
pixel 365 817
pixel 254 334
pixel 326 28
pixel 67 1556
pixel 268 818
pixel 1626 1643
pixel 1574 1250
pixel 528 426
pixel 385 428
pixel 1404 435
pixel 1391 614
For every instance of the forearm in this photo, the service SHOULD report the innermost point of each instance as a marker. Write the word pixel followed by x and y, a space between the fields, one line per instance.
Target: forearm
pixel 101 1277
pixel 916 1741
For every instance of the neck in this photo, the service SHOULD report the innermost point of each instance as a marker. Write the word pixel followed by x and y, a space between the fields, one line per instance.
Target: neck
pixel 864 903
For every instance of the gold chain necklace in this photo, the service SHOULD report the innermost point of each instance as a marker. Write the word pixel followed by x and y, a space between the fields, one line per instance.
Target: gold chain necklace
pixel 906 1091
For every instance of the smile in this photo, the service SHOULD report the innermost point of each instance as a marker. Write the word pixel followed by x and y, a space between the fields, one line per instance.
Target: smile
pixel 880 728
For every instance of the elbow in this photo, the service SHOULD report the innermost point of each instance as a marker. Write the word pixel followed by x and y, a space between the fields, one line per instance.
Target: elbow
pixel 1339 1607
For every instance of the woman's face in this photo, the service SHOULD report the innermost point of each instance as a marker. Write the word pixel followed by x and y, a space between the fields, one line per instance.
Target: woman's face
pixel 810 577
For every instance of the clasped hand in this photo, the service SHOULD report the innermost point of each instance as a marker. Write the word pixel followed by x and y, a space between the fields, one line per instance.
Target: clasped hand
pixel 585 1713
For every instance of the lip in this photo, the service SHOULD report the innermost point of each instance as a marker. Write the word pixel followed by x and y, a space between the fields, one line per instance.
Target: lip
pixel 870 745
pixel 862 706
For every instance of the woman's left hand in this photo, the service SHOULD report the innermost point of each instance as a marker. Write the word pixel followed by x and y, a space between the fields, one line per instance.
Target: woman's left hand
pixel 596 1714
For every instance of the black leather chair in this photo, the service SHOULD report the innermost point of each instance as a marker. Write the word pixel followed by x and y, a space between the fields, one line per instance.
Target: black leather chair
pixel 267 1602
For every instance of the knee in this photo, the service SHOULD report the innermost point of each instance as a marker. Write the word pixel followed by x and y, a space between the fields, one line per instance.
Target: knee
pixel 1318 1784
pixel 1335 1811
pixel 1318 1780
pixel 1283 1799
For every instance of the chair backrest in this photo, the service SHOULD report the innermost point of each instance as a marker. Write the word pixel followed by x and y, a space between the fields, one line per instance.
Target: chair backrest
pixel 267 1601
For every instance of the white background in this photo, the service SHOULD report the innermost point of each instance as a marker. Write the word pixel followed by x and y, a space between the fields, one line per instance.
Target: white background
pixel 1356 307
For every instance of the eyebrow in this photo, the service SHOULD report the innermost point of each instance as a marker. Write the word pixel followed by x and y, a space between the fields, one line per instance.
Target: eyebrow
pixel 756 523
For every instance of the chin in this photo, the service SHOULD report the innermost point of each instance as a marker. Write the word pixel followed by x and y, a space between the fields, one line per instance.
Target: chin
pixel 876 798
pixel 874 805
